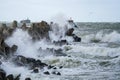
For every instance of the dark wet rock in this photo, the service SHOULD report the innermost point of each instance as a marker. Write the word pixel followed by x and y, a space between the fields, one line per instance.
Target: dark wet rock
pixel 29 62
pixel 54 68
pixel 61 42
pixel 17 77
pixel 76 38
pixel 14 24
pixel 60 67
pixel 32 64
pixel 27 78
pixel 2 75
pixel 10 77
pixel 64 41
pixel 10 31
pixel 50 67
pixel 37 63
pixel 69 56
pixel 36 71
pixel 14 48
pixel 58 73
pixel 39 30
pixel 0 62
pixel 6 50
pixel 2 44
pixel 69 32
pixel 43 65
pixel 5 31
pixel 47 73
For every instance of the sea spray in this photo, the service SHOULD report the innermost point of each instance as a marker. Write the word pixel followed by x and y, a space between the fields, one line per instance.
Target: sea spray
pixel 59 27
pixel 85 60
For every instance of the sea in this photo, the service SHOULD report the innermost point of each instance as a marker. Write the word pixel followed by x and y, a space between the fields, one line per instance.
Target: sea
pixel 96 57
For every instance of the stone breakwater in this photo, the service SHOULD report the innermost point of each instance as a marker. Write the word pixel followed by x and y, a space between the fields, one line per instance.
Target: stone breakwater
pixel 37 31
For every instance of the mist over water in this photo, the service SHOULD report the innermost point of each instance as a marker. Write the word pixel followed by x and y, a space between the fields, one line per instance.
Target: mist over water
pixel 96 57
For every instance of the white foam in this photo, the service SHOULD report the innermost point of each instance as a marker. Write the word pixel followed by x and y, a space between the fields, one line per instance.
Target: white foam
pixel 103 37
pixel 95 50
pixel 112 37
pixel 24 43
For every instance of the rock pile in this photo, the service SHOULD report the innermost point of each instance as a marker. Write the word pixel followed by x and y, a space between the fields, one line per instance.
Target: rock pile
pixel 34 65
pixel 39 30
pixel 3 76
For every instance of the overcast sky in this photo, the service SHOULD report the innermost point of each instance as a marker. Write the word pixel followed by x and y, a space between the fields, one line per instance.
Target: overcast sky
pixel 79 10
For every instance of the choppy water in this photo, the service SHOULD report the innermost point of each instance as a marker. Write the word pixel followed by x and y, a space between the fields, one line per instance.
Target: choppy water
pixel 97 57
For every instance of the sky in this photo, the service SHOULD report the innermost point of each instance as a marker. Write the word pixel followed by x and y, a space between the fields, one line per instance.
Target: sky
pixel 78 10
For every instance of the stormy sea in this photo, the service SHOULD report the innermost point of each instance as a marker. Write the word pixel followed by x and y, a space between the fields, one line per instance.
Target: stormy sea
pixel 60 51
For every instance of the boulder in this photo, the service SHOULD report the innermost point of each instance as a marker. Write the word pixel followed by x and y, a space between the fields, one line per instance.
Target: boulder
pixel 14 48
pixel 10 31
pixel 37 63
pixel 7 50
pixel 27 78
pixel 58 73
pixel 29 60
pixel 6 31
pixel 76 38
pixel 10 77
pixel 54 68
pixel 2 44
pixel 36 71
pixel 0 61
pixel 39 30
pixel 43 65
pixel 4 48
pixel 50 67
pixel 60 67
pixel 14 24
pixel 47 73
pixel 2 75
pixel 69 32
pixel 17 77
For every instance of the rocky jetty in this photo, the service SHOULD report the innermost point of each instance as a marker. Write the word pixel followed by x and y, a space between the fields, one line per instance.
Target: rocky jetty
pixel 37 31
